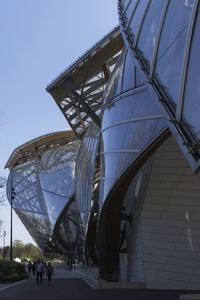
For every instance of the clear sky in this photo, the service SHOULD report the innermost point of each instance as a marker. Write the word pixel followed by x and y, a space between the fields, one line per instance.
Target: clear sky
pixel 39 39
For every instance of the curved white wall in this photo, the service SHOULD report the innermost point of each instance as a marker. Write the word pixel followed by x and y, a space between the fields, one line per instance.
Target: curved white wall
pixel 169 224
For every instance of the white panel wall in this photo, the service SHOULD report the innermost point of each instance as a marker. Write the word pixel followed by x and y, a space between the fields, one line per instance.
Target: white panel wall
pixel 134 202
pixel 134 253
pixel 170 222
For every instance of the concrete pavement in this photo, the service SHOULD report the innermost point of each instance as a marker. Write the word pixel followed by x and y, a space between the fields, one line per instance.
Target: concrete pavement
pixel 73 285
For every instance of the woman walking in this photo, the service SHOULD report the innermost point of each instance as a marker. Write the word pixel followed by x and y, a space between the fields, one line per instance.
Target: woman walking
pixel 49 272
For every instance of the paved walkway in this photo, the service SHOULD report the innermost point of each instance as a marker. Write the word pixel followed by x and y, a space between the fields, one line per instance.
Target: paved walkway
pixel 72 285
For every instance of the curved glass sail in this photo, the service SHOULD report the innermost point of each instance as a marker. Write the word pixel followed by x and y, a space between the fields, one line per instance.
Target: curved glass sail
pixel 85 169
pixel 131 120
pixel 43 184
pixel 162 37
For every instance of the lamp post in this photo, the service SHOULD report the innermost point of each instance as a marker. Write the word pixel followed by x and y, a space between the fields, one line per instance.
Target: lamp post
pixel 4 233
pixel 11 211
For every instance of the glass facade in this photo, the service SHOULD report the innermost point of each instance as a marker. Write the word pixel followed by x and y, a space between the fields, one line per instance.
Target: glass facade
pixel 85 169
pixel 162 36
pixel 56 172
pixel 133 115
pixel 190 110
pixel 43 187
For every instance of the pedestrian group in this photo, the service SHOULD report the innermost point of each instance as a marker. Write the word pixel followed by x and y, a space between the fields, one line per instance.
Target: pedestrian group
pixel 40 268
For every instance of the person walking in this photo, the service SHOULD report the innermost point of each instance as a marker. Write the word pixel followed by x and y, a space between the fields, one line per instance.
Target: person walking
pixel 40 269
pixel 34 267
pixel 49 272
pixel 29 268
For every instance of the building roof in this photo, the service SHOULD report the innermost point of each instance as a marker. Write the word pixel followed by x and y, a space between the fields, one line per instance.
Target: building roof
pixel 37 146
pixel 78 90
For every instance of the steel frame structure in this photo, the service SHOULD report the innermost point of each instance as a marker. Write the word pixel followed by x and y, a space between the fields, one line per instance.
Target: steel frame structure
pixel 78 90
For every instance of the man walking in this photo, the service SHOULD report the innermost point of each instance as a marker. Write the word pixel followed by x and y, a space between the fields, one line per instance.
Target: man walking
pixel 39 272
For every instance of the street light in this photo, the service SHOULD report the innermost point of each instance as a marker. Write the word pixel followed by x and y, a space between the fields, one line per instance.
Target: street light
pixel 4 233
pixel 11 206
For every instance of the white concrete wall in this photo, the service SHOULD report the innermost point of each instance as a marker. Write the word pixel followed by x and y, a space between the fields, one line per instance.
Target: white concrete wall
pixel 170 223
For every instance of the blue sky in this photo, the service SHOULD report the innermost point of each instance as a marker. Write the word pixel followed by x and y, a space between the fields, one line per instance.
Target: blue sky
pixel 39 39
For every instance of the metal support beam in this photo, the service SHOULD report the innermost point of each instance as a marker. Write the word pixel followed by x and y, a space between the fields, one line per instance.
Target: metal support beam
pixel 88 110
pixel 106 71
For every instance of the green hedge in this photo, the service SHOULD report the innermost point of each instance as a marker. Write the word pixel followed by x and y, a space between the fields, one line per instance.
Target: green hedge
pixel 12 271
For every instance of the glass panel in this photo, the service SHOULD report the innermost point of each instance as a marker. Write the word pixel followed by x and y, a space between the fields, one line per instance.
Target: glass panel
pixel 124 4
pixel 120 82
pixel 128 74
pixel 57 169
pixel 112 85
pixel 139 80
pixel 59 182
pixel 129 11
pixel 140 104
pixel 134 25
pixel 147 38
pixel 28 194
pixel 191 108
pixel 55 205
pixel 85 168
pixel 115 163
pixel 172 45
pixel 37 225
pixel 107 186
pixel 134 135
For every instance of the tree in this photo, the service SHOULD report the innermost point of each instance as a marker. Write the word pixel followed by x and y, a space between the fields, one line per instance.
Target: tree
pixel 18 248
pixel 23 251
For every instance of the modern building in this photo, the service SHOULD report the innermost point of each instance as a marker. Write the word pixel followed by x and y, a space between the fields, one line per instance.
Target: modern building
pixel 42 179
pixel 132 101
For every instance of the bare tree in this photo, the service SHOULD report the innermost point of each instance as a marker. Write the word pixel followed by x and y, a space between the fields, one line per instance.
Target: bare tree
pixel 2 189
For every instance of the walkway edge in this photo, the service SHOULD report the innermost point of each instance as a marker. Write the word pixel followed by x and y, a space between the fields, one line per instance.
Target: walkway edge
pixel 13 284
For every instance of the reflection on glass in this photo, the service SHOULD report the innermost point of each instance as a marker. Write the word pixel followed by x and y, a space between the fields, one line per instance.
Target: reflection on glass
pixel 130 10
pixel 129 123
pixel 134 25
pixel 60 182
pixel 41 230
pixel 43 187
pixel 134 135
pixel 131 107
pixel 172 44
pixel 148 35
pixel 85 168
pixel 113 86
pixel 55 205
pixel 128 74
pixel 191 107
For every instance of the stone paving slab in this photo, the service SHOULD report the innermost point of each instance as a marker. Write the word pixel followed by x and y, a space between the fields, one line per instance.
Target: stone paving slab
pixel 77 289
pixel 75 285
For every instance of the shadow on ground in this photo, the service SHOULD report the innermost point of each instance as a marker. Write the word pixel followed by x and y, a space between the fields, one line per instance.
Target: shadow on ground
pixel 76 289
